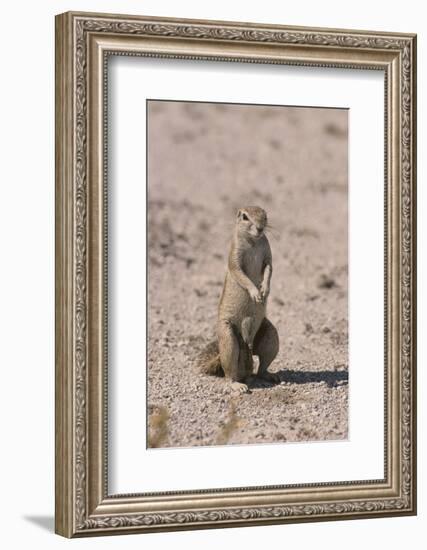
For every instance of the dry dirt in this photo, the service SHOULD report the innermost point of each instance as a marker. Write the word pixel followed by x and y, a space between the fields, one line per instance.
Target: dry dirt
pixel 205 161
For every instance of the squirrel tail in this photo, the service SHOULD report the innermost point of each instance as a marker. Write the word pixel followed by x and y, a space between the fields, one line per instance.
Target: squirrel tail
pixel 209 361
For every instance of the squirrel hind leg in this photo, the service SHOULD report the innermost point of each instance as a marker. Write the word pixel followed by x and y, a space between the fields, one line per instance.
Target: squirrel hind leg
pixel 247 331
pixel 239 388
pixel 246 362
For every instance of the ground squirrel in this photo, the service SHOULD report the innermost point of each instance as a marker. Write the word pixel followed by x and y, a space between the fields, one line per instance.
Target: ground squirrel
pixel 243 328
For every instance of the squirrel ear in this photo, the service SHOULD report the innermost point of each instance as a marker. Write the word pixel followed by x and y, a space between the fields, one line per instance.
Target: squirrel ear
pixel 239 213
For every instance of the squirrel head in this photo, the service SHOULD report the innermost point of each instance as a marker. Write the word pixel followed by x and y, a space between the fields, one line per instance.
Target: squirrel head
pixel 251 222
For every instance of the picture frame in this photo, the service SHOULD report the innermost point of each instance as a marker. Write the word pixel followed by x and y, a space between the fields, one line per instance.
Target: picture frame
pixel 84 506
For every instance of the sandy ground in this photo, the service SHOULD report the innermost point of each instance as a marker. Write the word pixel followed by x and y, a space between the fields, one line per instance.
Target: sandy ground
pixel 205 161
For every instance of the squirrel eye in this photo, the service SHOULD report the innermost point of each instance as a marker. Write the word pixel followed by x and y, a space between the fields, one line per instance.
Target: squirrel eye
pixel 244 217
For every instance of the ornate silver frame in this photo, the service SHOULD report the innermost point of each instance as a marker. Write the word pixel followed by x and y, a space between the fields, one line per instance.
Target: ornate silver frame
pixel 83 505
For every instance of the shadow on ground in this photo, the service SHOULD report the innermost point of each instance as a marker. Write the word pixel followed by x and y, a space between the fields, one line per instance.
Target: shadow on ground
pixel 45 522
pixel 332 378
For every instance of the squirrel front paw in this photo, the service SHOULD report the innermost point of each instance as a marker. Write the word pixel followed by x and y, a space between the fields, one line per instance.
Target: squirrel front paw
pixel 255 294
pixel 265 291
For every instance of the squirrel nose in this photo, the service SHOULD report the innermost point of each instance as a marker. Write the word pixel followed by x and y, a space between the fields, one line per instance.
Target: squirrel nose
pixel 259 229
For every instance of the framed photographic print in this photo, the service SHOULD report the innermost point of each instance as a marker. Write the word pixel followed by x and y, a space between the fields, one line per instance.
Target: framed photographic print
pixel 235 274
